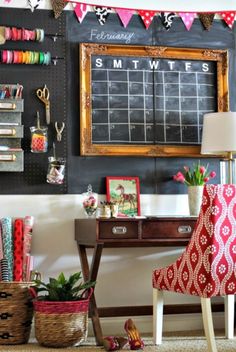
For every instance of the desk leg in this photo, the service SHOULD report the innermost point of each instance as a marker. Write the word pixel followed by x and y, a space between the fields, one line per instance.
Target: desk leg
pixel 92 275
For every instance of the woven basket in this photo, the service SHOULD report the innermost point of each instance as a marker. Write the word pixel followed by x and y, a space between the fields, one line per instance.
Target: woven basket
pixel 16 312
pixel 61 324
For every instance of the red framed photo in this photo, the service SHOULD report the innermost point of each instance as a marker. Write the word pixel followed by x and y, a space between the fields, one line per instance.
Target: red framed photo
pixel 125 192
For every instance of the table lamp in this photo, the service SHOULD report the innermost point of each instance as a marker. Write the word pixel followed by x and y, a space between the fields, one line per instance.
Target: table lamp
pixel 219 138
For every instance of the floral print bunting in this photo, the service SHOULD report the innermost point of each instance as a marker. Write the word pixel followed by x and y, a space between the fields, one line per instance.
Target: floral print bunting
pixel 102 13
pixel 167 19
pixel 33 4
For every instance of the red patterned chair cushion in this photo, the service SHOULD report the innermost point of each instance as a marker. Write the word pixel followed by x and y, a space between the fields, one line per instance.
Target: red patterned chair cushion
pixel 207 267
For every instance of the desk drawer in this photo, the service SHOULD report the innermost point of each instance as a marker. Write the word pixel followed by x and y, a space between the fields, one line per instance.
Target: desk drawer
pixel 168 229
pixel 117 230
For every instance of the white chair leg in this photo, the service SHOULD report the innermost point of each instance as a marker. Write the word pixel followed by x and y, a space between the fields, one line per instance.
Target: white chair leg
pixel 229 316
pixel 157 316
pixel 208 324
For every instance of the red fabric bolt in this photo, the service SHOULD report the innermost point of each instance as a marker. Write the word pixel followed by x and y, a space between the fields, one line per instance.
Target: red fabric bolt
pixel 18 250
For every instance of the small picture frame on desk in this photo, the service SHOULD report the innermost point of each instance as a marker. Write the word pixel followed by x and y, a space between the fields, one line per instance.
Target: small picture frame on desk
pixel 124 191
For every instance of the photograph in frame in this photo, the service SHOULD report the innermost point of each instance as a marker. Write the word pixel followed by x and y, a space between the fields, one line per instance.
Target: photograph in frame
pixel 125 192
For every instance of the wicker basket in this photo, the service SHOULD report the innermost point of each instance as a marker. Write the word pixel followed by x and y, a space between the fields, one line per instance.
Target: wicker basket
pixel 16 312
pixel 61 324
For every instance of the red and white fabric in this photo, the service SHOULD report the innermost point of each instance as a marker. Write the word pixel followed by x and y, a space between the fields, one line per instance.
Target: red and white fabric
pixel 207 267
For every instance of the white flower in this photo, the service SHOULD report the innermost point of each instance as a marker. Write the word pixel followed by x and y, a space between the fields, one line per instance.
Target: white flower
pixel 209 287
pixel 185 275
pixel 229 191
pixel 212 249
pixel 202 278
pixel 215 210
pixel 222 269
pixel 225 230
pixel 234 249
pixel 231 286
pixel 203 239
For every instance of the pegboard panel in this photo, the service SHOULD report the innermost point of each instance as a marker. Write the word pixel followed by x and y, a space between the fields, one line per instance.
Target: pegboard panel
pixel 33 179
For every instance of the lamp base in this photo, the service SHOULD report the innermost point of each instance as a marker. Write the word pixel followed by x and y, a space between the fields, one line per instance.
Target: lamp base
pixel 228 171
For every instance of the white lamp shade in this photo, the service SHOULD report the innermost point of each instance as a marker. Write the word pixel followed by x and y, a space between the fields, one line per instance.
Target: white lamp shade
pixel 219 133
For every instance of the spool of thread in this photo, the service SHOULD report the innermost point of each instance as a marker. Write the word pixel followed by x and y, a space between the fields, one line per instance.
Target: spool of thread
pixel 4 269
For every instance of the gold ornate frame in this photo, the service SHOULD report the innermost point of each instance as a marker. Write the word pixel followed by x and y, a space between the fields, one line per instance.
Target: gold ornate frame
pixel 89 49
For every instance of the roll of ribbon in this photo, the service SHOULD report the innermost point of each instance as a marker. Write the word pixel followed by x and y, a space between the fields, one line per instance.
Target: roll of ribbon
pixel 8 244
pixel 4 269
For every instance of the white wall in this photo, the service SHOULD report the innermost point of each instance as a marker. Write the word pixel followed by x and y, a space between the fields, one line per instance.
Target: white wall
pixel 125 274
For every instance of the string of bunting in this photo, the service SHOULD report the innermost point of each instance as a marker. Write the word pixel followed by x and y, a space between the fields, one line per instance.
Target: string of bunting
pixel 125 15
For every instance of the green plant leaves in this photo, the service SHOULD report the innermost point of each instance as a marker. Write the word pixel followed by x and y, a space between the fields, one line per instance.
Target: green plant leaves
pixel 62 289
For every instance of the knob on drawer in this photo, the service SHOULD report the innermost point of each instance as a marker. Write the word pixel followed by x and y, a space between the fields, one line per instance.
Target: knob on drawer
pixel 185 229
pixel 119 230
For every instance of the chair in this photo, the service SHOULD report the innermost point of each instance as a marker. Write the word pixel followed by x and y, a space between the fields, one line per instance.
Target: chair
pixel 207 267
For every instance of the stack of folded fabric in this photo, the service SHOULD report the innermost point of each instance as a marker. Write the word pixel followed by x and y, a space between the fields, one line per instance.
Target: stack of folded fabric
pixel 16 262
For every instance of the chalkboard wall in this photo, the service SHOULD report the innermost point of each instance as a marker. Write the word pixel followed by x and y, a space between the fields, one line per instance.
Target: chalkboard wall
pixel 63 80
pixel 155 173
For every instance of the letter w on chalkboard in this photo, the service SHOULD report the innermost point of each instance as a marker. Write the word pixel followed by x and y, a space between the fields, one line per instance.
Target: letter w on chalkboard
pixel 147 100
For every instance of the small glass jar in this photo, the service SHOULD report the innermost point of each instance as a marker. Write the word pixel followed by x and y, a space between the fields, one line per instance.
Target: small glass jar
pixel 39 139
pixel 90 202
pixel 56 170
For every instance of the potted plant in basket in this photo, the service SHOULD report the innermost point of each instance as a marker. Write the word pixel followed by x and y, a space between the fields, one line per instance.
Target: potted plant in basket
pixel 61 312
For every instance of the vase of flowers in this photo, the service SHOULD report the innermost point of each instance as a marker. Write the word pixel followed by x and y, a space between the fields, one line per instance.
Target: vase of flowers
pixel 90 202
pixel 195 178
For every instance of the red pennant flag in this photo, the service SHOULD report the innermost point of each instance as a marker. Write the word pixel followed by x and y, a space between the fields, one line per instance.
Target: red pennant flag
pixel 147 17
pixel 125 16
pixel 229 18
pixel 206 19
pixel 80 11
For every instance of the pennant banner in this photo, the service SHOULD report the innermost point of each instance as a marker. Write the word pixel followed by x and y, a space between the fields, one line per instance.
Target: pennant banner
pixel 206 19
pixel 80 11
pixel 167 19
pixel 33 4
pixel 125 16
pixel 229 18
pixel 58 6
pixel 187 18
pixel 147 17
pixel 102 14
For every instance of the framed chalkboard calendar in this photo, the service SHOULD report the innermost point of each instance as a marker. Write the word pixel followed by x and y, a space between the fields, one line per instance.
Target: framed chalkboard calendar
pixel 148 100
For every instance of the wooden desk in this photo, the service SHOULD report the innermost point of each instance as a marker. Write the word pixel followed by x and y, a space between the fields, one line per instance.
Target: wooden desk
pixel 112 233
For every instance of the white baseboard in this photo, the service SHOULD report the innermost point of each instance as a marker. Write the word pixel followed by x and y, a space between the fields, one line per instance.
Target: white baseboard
pixel 180 322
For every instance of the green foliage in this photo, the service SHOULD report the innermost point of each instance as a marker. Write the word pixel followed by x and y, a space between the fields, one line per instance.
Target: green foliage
pixel 62 289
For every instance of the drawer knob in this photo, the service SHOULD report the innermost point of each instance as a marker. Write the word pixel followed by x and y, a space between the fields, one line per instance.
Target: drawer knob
pixel 119 230
pixel 185 229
